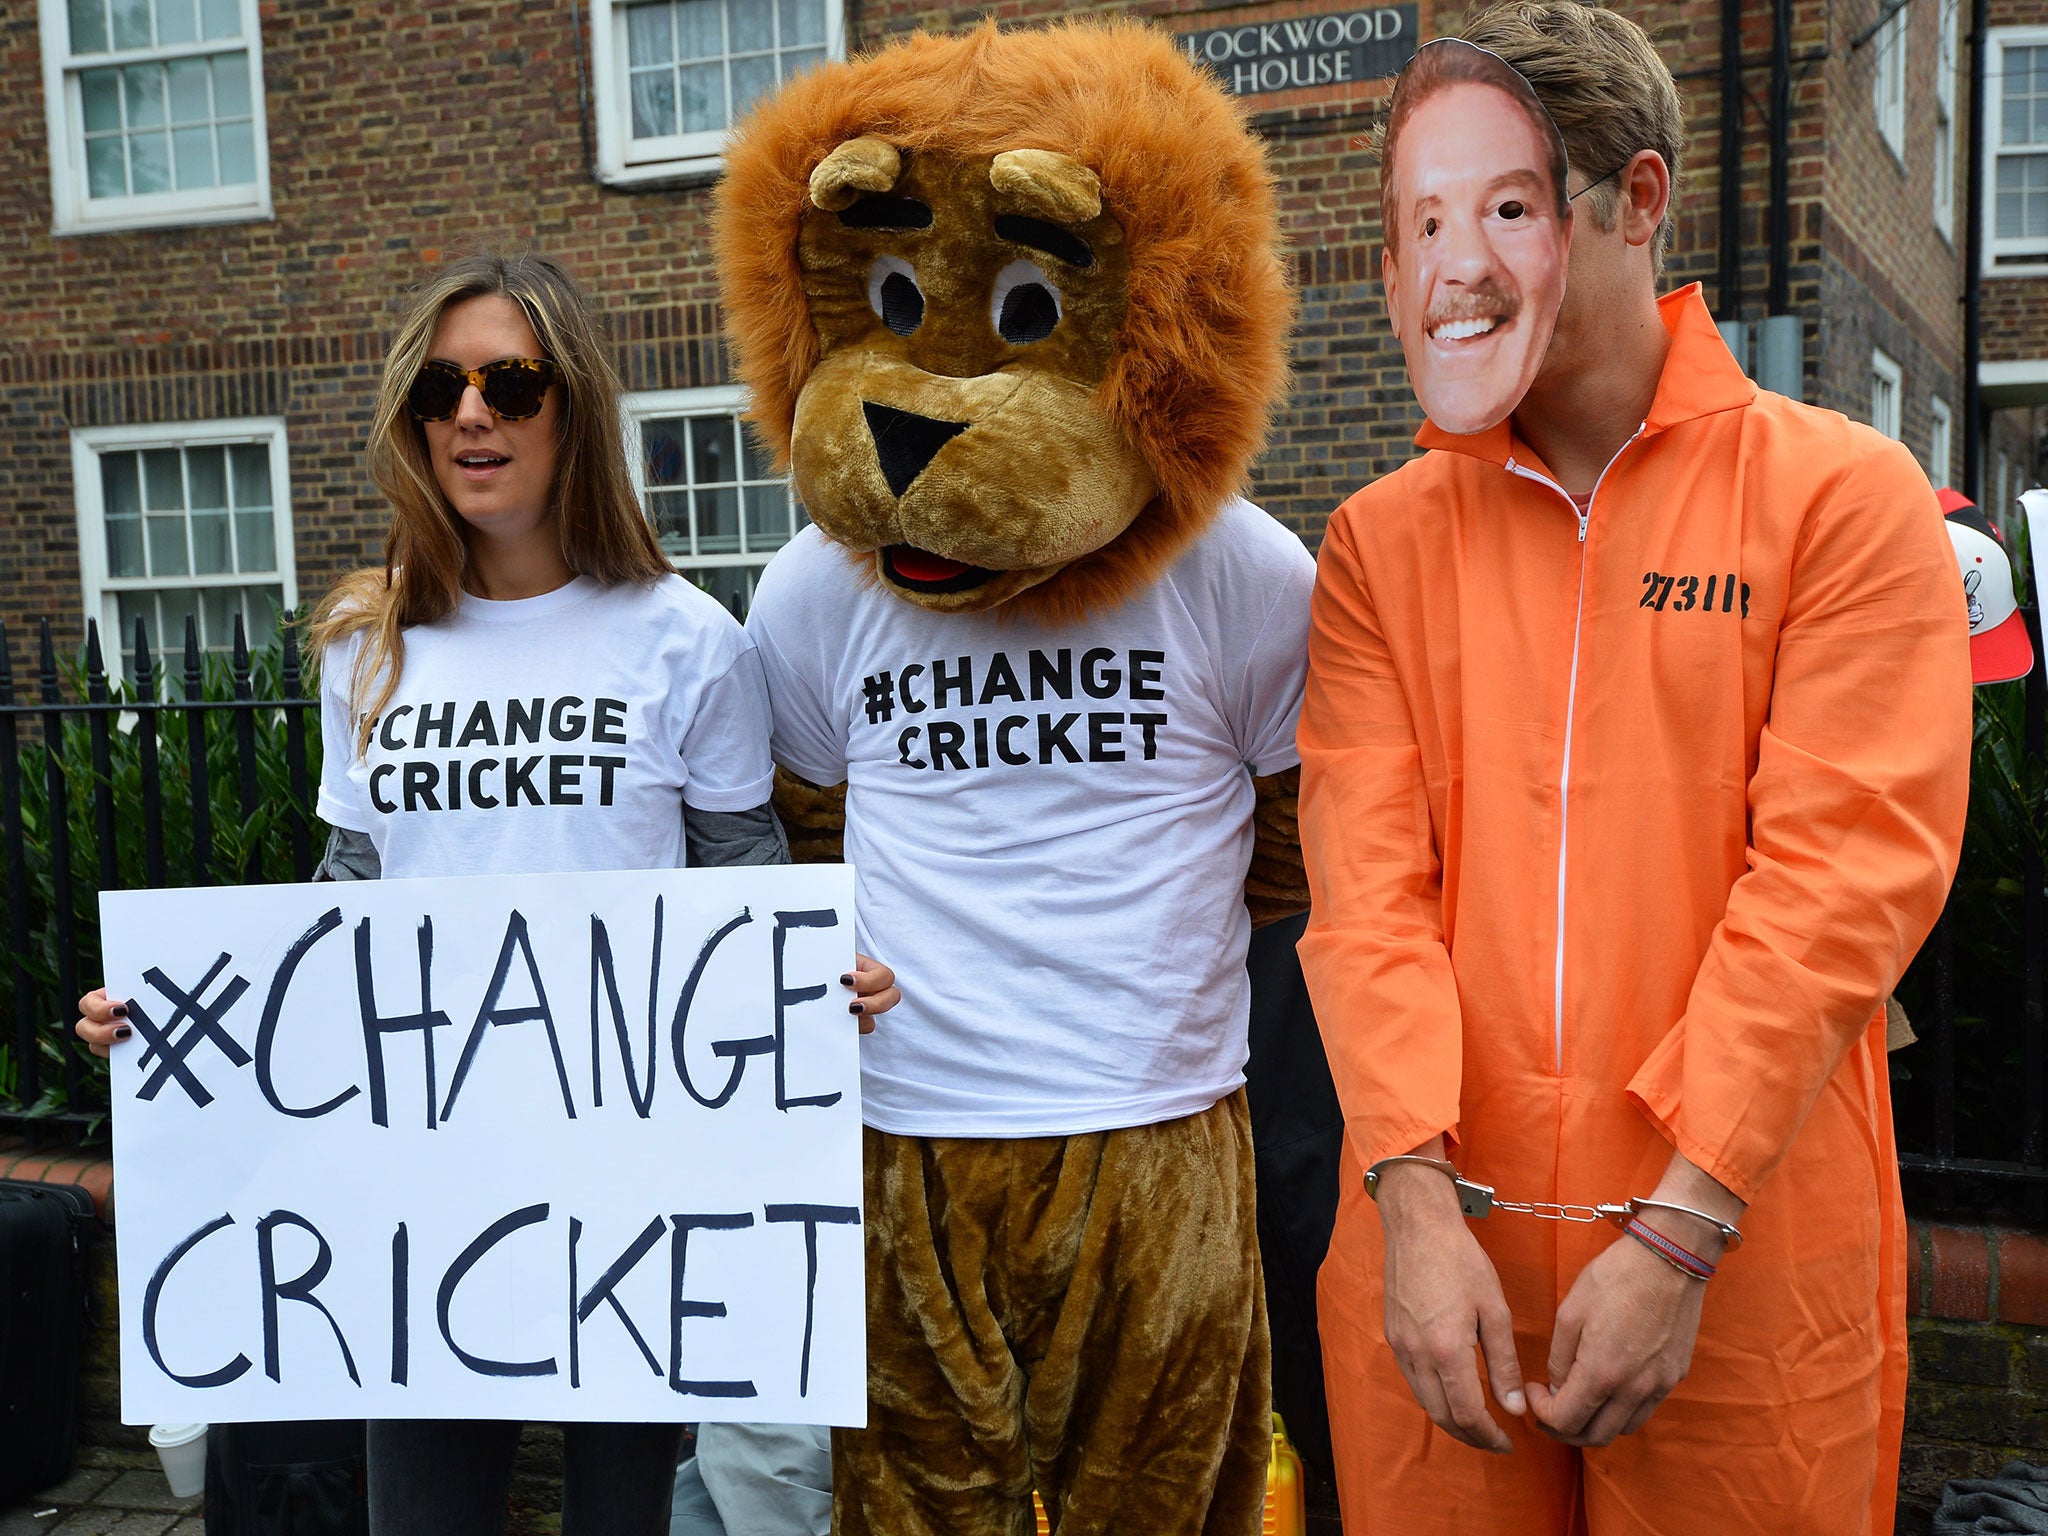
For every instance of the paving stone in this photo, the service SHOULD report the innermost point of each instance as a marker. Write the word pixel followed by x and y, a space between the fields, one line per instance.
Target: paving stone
pixel 79 1487
pixel 191 1525
pixel 28 1520
pixel 100 1521
pixel 121 1457
pixel 145 1490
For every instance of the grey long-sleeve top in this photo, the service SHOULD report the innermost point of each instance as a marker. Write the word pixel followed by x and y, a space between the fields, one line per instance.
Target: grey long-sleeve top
pixel 711 840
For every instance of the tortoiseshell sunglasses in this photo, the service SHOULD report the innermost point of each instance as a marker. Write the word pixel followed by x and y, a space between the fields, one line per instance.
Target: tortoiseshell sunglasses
pixel 513 387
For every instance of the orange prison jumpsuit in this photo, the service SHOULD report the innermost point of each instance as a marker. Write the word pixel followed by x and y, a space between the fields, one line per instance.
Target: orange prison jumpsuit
pixel 1612 851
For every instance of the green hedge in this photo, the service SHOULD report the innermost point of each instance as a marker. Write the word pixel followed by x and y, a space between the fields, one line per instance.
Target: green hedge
pixel 260 844
pixel 2007 792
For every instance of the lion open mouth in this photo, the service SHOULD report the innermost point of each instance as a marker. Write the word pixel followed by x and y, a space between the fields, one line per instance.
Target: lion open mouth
pixel 919 570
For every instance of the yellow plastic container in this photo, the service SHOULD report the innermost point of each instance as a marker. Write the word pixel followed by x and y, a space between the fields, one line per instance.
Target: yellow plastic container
pixel 1286 1497
pixel 1286 1494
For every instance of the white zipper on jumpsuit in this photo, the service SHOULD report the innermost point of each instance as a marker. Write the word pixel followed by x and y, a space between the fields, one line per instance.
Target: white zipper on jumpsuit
pixel 1571 699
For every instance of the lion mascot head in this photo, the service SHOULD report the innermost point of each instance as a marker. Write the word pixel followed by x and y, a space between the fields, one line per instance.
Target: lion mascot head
pixel 1011 307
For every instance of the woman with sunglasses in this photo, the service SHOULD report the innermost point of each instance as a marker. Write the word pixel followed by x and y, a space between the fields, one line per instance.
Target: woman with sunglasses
pixel 525 686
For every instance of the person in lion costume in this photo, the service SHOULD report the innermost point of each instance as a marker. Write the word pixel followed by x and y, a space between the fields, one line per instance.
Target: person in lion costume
pixel 1012 308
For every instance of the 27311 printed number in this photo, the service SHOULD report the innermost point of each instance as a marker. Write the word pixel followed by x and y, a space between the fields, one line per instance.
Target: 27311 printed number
pixel 1685 594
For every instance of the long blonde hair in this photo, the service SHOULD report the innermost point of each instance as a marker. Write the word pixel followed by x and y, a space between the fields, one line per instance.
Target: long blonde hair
pixel 599 523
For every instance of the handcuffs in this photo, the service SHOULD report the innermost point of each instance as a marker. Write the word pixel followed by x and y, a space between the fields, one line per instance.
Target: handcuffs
pixel 1478 1201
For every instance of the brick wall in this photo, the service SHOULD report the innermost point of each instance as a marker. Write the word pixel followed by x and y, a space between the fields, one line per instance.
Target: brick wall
pixel 1890 278
pixel 2015 308
pixel 1856 318
pixel 395 132
pixel 2015 318
pixel 2016 321
pixel 1978 1395
pixel 1351 417
pixel 376 172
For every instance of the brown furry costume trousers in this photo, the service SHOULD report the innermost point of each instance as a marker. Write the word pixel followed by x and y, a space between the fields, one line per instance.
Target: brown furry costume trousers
pixel 1083 1314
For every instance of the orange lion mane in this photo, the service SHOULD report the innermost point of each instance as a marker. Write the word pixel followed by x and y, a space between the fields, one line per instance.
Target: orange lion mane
pixel 1201 359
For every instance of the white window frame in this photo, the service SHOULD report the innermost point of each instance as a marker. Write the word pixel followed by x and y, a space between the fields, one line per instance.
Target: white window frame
pixel 1887 393
pixel 1999 255
pixel 76 213
pixel 636 409
pixel 1947 62
pixel 1888 82
pixel 619 161
pixel 1941 440
pixel 100 590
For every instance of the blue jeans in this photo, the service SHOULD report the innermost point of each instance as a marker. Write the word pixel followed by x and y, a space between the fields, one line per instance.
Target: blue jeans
pixel 450 1477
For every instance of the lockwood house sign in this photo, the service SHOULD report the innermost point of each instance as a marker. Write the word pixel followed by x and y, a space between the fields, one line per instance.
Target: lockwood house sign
pixel 1299 51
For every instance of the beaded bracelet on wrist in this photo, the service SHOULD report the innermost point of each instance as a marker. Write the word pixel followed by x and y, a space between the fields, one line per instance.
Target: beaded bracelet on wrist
pixel 1684 1260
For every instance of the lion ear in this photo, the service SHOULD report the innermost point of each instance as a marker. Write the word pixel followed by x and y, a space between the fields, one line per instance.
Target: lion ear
pixel 1054 186
pixel 852 171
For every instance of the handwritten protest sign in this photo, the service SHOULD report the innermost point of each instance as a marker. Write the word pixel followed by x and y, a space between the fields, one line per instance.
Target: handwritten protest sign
pixel 552 1147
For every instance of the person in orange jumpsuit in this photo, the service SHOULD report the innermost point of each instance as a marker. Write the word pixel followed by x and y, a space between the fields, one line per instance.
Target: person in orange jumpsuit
pixel 1635 754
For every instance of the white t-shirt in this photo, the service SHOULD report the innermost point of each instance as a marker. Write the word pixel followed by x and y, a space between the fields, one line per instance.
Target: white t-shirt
pixel 1050 826
pixel 552 733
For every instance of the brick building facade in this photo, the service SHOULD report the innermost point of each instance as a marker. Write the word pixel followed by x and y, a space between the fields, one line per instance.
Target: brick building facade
pixel 213 206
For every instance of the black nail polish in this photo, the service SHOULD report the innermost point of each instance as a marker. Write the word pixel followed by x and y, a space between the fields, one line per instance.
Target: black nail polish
pixel 123 1032
pixel 846 980
pixel 856 1007
pixel 119 1010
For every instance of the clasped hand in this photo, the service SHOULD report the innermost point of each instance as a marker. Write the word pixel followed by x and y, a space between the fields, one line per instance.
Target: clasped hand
pixel 1622 1340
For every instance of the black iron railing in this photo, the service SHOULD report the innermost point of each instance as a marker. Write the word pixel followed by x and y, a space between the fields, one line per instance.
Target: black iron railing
pixel 214 786
pixel 1973 1093
pixel 153 782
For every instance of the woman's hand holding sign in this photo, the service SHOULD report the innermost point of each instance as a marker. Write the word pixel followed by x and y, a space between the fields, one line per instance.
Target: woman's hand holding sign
pixel 103 1021
pixel 875 991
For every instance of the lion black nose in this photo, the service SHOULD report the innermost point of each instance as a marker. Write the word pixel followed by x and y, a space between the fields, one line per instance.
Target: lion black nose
pixel 905 443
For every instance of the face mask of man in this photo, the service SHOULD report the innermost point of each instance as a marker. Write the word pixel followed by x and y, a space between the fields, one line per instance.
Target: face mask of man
pixel 1478 232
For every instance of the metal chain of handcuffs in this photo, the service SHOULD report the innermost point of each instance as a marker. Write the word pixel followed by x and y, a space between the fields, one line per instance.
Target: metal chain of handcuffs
pixel 1478 1201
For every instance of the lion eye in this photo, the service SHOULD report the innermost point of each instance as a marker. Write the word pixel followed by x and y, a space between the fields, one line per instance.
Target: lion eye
pixel 1026 304
pixel 894 294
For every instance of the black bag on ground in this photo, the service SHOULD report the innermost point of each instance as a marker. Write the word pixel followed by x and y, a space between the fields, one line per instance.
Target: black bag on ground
pixel 303 1479
pixel 43 1311
pixel 2014 1503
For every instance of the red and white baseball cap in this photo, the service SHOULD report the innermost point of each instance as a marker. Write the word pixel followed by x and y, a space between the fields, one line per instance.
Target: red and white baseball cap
pixel 1999 648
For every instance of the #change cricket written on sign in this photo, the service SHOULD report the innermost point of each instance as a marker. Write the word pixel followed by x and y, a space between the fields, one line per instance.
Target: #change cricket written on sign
pixel 570 1147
